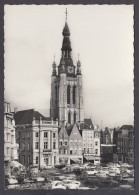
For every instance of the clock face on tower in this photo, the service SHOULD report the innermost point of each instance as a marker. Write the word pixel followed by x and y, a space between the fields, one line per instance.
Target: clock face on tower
pixel 70 69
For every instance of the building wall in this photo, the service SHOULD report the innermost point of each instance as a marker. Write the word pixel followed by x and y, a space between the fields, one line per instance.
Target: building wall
pixel 75 142
pixel 91 144
pixel 10 146
pixel 35 147
pixel 59 107
pixel 125 145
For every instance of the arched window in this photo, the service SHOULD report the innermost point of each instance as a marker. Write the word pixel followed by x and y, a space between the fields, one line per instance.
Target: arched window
pixel 69 118
pixel 74 94
pixel 74 117
pixel 68 94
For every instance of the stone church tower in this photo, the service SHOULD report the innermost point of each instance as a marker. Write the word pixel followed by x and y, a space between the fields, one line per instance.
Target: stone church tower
pixel 66 102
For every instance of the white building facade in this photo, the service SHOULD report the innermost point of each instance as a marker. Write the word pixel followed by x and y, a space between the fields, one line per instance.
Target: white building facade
pixel 91 145
pixel 10 146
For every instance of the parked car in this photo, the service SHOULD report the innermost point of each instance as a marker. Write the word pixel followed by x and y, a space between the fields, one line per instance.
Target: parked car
pixel 57 185
pixel 11 180
pixel 39 179
pixel 101 174
pixel 71 184
pixel 125 186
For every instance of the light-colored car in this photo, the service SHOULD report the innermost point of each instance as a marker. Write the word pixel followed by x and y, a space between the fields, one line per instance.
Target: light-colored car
pixel 125 186
pixel 101 174
pixel 39 179
pixel 58 185
pixel 84 188
pixel 16 186
pixel 12 180
pixel 114 170
pixel 112 174
pixel 71 184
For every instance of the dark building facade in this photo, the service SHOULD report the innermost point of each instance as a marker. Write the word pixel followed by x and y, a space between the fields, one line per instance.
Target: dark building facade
pixel 125 143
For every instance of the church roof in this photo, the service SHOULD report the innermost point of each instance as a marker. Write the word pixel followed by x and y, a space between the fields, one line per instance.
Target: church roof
pixel 26 116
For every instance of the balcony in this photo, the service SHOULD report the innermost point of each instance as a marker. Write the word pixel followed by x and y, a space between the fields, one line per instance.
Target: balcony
pixel 47 150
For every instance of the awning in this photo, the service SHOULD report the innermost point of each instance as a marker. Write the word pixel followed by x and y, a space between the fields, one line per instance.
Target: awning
pixel 76 160
pixel 15 164
pixel 89 157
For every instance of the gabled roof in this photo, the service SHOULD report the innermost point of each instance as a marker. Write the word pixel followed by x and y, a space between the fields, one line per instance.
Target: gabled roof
pixel 87 124
pixel 26 116
pixel 69 129
pixel 126 127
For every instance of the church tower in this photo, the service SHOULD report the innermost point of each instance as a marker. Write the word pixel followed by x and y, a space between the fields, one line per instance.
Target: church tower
pixel 66 102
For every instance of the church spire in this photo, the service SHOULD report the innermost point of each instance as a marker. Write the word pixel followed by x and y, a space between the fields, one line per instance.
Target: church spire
pixel 66 45
pixel 66 63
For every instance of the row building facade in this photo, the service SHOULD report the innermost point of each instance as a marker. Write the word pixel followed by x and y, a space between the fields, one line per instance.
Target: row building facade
pixel 37 137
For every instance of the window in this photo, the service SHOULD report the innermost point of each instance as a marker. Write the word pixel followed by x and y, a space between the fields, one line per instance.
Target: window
pixel 54 159
pixel 37 134
pixel 23 135
pixel 46 160
pixel 70 151
pixel 23 146
pixel 65 151
pixel 69 118
pixel 74 117
pixel 37 159
pixel 28 135
pixel 8 150
pixel 7 136
pixel 60 143
pixel 54 135
pixel 12 139
pixel 28 146
pixel 74 94
pixel 36 145
pixel 68 94
pixel 66 143
pixel 54 145
pixel 60 151
pixel 45 145
pixel 96 134
pixel 96 151
pixel 96 143
pixel 45 134
pixel 28 159
pixel 23 158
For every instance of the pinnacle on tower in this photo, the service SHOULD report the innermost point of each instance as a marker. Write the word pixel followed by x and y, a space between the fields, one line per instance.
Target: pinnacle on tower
pixel 78 66
pixel 54 73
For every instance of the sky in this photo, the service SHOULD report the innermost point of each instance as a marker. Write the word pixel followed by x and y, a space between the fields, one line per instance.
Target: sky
pixel 102 35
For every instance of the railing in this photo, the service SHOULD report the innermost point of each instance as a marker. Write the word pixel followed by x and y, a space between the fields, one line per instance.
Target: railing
pixel 47 150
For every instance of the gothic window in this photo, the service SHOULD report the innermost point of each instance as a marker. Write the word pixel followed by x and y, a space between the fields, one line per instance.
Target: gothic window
pixel 74 117
pixel 69 118
pixel 74 94
pixel 68 94
pixel 56 93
